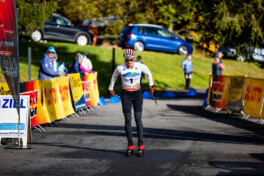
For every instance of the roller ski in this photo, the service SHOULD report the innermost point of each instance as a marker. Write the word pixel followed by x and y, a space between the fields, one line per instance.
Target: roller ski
pixel 130 150
pixel 141 150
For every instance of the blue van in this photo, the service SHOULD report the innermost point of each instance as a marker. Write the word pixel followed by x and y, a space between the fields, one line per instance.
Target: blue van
pixel 142 37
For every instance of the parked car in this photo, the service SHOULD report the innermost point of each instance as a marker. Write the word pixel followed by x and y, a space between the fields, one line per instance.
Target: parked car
pixel 61 29
pixel 142 37
pixel 253 53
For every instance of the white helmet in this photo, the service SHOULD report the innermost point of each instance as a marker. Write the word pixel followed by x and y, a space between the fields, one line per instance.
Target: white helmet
pixel 128 54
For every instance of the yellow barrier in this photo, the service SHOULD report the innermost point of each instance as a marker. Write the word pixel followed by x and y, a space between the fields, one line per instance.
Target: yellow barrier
pixel 90 78
pixel 219 91
pixel 96 89
pixel 236 94
pixel 77 91
pixel 253 98
pixel 64 97
pixel 56 98
pixel 4 89
pixel 50 91
pixel 42 112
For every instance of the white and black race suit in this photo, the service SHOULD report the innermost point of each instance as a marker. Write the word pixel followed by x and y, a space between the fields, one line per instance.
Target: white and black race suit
pixel 132 96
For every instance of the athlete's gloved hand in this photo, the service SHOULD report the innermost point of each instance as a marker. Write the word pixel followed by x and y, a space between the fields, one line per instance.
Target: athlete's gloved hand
pixel 112 92
pixel 151 89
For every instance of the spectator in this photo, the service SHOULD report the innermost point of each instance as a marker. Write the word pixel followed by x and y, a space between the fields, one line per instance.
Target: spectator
pixel 56 62
pixel 86 63
pixel 76 66
pixel 47 70
pixel 220 55
pixel 62 67
pixel 187 70
pixel 217 67
pixel 139 59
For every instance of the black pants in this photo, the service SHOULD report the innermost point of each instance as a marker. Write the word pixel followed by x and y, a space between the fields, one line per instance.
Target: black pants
pixel 188 77
pixel 129 99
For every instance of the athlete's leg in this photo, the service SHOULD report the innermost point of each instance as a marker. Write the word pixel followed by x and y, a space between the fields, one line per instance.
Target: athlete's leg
pixel 126 106
pixel 137 105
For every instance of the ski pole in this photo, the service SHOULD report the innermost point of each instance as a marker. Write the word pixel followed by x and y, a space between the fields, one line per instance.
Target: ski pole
pixel 154 99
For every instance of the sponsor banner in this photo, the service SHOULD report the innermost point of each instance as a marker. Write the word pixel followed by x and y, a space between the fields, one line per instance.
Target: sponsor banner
pixel 64 97
pixel 236 94
pixel 77 91
pixel 96 89
pixel 42 112
pixel 38 113
pixel 9 60
pixel 89 78
pixel 50 99
pixel 4 89
pixel 220 91
pixel 86 92
pixel 9 117
pixel 253 97
pixel 27 88
pixel 209 89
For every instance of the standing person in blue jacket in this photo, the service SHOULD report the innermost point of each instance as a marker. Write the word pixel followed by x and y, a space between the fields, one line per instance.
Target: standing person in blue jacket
pixel 217 67
pixel 46 70
pixel 187 69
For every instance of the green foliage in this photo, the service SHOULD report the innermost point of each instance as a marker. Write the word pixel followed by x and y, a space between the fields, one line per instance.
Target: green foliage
pixel 170 14
pixel 226 21
pixel 32 14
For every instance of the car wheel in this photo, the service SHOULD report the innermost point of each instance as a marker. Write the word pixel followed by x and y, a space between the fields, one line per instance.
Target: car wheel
pixel 139 46
pixel 183 50
pixel 240 58
pixel 82 40
pixel 36 36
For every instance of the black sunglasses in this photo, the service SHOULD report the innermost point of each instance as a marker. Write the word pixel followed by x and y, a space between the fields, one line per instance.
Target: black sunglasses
pixel 127 60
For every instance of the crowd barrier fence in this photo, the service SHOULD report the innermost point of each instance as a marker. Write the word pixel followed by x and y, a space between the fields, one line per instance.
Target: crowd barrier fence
pixel 57 98
pixel 238 94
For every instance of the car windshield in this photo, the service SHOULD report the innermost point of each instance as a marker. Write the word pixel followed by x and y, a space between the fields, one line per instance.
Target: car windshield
pixel 60 21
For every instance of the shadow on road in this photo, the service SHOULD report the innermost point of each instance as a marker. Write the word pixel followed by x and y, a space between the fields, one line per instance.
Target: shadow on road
pixel 220 117
pixel 238 168
pixel 156 133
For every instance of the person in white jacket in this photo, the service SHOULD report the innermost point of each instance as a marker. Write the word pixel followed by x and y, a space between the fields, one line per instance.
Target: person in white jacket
pixel 87 64
pixel 130 72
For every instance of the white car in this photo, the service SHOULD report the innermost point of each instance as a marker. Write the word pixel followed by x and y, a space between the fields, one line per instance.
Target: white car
pixel 257 53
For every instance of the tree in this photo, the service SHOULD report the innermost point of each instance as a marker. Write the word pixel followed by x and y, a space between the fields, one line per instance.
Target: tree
pixel 32 14
pixel 169 14
pixel 229 21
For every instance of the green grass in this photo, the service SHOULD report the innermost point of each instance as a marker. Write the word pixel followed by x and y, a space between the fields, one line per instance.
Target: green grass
pixel 165 67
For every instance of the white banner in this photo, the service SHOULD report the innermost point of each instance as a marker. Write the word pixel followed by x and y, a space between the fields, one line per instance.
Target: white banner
pixel 9 117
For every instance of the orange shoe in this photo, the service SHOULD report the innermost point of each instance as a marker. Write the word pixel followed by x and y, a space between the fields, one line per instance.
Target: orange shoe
pixel 141 150
pixel 130 150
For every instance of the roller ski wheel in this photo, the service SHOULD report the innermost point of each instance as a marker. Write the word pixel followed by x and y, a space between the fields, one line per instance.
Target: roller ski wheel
pixel 130 150
pixel 141 151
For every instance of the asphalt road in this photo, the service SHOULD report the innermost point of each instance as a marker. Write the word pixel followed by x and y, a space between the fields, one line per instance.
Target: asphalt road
pixel 180 139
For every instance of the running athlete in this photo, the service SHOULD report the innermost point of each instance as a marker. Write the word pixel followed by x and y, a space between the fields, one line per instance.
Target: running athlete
pixel 130 72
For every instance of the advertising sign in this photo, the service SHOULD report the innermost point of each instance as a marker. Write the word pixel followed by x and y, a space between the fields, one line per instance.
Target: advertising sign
pixel 9 117
pixel 220 91
pixel 77 91
pixel 236 94
pixel 253 97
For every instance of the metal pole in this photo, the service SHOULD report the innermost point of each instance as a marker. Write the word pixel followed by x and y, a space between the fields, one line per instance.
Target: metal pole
pixel 29 63
pixel 113 61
